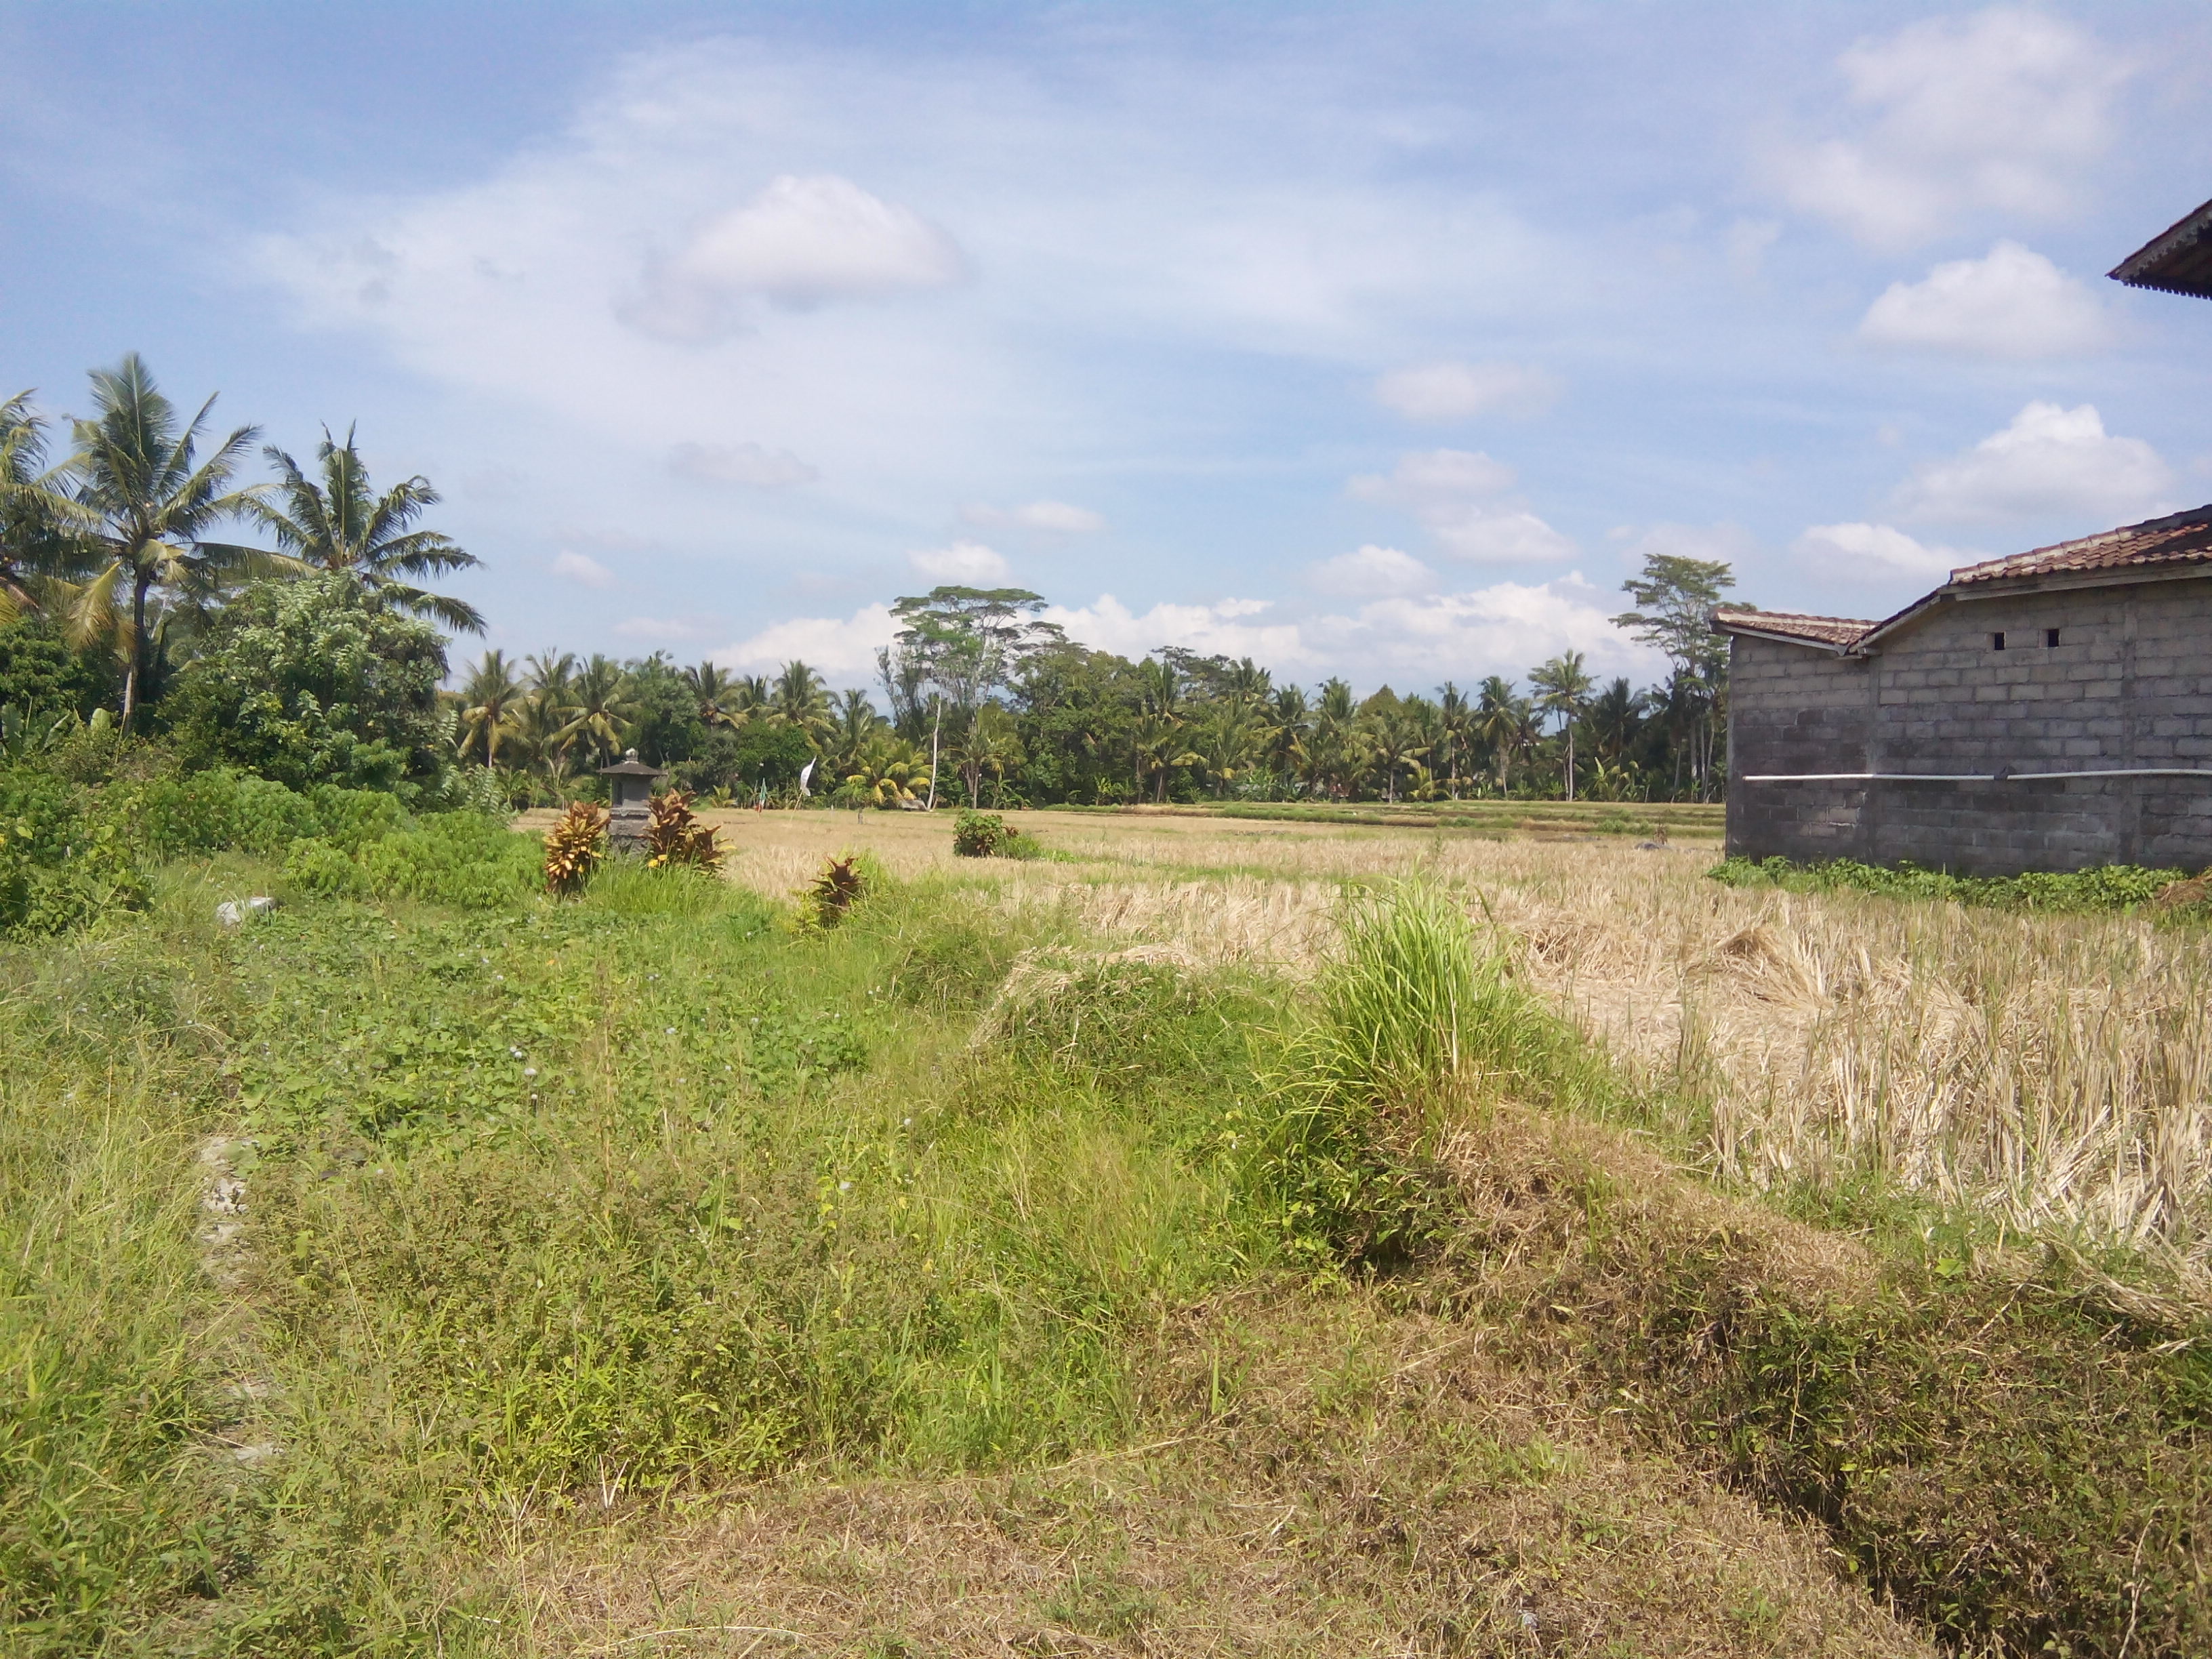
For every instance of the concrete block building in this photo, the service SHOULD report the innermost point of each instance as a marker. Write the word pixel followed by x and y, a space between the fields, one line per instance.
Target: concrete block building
pixel 2048 711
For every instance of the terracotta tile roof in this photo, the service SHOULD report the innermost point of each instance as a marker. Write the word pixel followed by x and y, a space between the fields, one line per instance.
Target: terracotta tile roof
pixel 2178 259
pixel 2181 538
pixel 1820 630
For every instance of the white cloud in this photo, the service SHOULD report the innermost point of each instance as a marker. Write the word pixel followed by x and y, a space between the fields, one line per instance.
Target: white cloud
pixel 2000 110
pixel 2049 461
pixel 963 563
pixel 1107 624
pixel 1455 494
pixel 1053 517
pixel 843 648
pixel 739 464
pixel 1455 391
pixel 577 568
pixel 799 242
pixel 1432 475
pixel 2014 303
pixel 1504 629
pixel 1841 552
pixel 673 628
pixel 1372 572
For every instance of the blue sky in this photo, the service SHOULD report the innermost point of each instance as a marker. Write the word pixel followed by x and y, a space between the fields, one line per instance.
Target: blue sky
pixel 1380 340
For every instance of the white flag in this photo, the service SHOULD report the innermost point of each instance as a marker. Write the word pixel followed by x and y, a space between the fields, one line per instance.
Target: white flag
pixel 804 773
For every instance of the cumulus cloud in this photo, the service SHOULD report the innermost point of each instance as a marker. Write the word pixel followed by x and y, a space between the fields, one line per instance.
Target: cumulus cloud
pixel 2014 303
pixel 1455 391
pixel 1372 572
pixel 2049 461
pixel 1504 629
pixel 739 464
pixel 841 648
pixel 800 242
pixel 2002 110
pixel 1845 551
pixel 1053 517
pixel 1226 629
pixel 1456 495
pixel 587 572
pixel 962 562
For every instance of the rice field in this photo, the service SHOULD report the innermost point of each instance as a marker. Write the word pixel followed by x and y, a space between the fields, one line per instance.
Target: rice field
pixel 2053 1070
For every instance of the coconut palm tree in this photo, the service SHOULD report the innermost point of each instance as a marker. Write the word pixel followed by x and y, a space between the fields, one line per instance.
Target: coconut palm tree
pixel 1455 729
pixel 1227 738
pixel 1563 689
pixel 1290 720
pixel 719 694
pixel 800 698
pixel 138 493
pixel 599 700
pixel 491 706
pixel 339 524
pixel 857 722
pixel 989 744
pixel 888 770
pixel 1501 721
pixel 35 550
pixel 1394 740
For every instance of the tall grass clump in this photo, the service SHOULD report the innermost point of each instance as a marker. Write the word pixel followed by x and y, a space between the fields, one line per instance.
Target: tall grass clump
pixel 1416 1007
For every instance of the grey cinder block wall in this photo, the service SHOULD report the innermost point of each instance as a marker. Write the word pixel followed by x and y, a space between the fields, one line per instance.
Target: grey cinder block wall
pixel 2127 683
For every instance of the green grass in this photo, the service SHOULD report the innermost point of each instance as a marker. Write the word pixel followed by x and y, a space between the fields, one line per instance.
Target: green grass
pixel 2109 887
pixel 559 1209
pixel 1640 818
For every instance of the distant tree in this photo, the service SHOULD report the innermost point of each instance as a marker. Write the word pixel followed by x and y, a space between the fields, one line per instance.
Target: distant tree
pixel 311 681
pixel 967 642
pixel 1563 687
pixel 139 495
pixel 1501 721
pixel 35 549
pixel 598 702
pixel 338 523
pixel 491 706
pixel 800 700
pixel 856 723
pixel 1672 596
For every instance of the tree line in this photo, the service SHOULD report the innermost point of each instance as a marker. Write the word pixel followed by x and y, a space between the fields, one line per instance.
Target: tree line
pixel 315 651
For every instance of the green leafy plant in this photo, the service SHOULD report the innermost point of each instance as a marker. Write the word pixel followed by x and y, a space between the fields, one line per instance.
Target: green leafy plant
pixel 2108 887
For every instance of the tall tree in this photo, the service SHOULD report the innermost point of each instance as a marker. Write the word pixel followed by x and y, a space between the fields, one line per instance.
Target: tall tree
pixel 598 703
pixel 1501 721
pixel 36 550
pixel 968 642
pixel 1674 596
pixel 1563 687
pixel 139 492
pixel 340 524
pixel 799 699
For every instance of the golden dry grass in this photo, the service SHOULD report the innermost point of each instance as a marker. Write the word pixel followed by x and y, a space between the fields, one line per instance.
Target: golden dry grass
pixel 2056 1069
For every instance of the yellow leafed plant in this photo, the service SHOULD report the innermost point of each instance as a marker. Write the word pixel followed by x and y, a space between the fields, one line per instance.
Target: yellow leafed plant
pixel 574 846
pixel 676 835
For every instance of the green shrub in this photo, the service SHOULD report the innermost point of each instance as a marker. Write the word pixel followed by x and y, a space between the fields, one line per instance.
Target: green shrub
pixel 987 836
pixel 461 859
pixel 318 867
pixel 212 811
pixel 61 864
pixel 351 818
pixel 2110 887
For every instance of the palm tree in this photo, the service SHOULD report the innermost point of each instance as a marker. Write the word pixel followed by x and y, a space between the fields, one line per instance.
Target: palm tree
pixel 1455 726
pixel 1501 721
pixel 141 497
pixel 35 548
pixel 491 706
pixel 1225 738
pixel 989 744
pixel 338 525
pixel 800 698
pixel 887 769
pixel 719 694
pixel 1394 739
pixel 1563 690
pixel 1338 749
pixel 599 699
pixel 857 722
pixel 1289 720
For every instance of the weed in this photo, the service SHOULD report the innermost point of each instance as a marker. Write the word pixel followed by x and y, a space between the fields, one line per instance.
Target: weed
pixel 2110 887
pixel 835 892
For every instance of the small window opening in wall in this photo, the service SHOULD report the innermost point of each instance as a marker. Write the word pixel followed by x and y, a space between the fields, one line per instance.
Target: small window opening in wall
pixel 2050 638
pixel 1996 641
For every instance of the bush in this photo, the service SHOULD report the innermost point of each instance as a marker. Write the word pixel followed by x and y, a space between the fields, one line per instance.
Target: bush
pixel 2111 887
pixel 311 681
pixel 60 865
pixel 318 867
pixel 461 859
pixel 214 811
pixel 987 836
